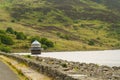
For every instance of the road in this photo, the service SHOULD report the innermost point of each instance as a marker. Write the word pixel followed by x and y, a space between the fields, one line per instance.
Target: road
pixel 6 73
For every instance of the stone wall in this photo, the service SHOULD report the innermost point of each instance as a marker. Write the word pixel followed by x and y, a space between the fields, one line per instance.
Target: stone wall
pixel 65 70
pixel 42 68
pixel 90 71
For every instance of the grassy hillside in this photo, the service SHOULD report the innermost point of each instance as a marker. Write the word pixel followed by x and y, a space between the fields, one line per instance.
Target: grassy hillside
pixel 69 24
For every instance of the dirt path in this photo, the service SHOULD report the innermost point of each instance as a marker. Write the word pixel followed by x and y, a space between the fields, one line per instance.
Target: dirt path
pixel 6 73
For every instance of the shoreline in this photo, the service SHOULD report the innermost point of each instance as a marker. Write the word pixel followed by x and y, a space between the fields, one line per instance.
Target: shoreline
pixel 66 70
pixel 106 57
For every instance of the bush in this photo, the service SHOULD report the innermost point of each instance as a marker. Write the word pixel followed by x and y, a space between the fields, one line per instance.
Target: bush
pixel 47 42
pixel 67 37
pixel 26 46
pixel 35 38
pixel 13 21
pixel 43 40
pixel 15 32
pixel 5 49
pixel 6 40
pixel 91 42
pixel 0 41
pixel 21 36
pixel 64 65
pixel 2 32
pixel 44 47
pixel 10 30
pixel 63 36
pixel 28 56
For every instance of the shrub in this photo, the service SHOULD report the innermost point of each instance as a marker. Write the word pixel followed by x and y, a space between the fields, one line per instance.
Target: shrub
pixel 13 21
pixel 28 56
pixel 2 32
pixel 35 38
pixel 26 46
pixel 98 38
pixel 15 32
pixel 47 42
pixel 58 33
pixel 91 42
pixel 64 65
pixel 43 40
pixel 117 45
pixel 10 30
pixel 0 41
pixel 21 36
pixel 5 49
pixel 67 37
pixel 40 20
pixel 63 36
pixel 6 40
pixel 44 47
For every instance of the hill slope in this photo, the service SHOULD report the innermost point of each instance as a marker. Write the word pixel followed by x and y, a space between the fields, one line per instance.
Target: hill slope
pixel 70 24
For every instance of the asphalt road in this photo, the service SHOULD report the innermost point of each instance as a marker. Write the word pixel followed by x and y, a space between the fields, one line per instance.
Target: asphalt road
pixel 6 73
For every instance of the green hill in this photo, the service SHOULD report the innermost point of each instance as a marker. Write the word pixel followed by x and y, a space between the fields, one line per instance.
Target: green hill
pixel 69 24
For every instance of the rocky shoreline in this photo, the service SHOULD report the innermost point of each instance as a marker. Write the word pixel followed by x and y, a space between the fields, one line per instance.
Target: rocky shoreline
pixel 82 71
pixel 65 70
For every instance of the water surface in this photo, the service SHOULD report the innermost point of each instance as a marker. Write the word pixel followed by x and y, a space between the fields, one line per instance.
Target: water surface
pixel 107 57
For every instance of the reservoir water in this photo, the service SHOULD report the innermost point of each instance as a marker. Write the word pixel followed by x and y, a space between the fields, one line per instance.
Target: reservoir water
pixel 106 57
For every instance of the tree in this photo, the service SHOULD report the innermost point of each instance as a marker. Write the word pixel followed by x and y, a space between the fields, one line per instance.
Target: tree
pixel 21 36
pixel 35 38
pixel 44 47
pixel 43 40
pixel 6 40
pixel 47 42
pixel 10 30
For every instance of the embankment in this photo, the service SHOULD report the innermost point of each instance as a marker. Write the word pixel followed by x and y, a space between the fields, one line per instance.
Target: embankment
pixel 45 69
pixel 64 70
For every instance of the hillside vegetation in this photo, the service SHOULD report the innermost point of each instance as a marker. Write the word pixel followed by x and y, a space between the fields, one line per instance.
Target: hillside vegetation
pixel 68 24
